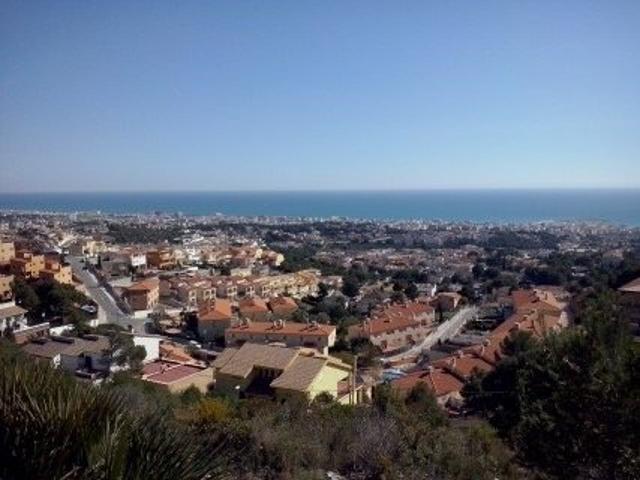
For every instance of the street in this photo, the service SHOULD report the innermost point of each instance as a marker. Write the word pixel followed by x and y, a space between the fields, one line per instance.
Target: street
pixel 109 312
pixel 443 332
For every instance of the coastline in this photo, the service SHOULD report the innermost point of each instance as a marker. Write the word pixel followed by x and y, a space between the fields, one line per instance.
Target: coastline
pixel 612 206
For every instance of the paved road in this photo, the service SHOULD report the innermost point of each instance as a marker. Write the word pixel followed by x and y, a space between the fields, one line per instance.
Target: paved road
pixel 109 312
pixel 446 330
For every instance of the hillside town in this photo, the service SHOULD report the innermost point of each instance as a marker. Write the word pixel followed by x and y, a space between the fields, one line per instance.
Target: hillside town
pixel 275 308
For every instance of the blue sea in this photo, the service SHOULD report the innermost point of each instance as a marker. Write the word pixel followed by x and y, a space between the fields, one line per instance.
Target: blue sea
pixel 504 206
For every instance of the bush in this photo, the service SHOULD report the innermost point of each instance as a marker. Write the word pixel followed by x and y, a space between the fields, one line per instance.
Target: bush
pixel 53 427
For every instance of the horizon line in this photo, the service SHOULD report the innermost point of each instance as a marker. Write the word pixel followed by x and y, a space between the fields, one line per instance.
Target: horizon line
pixel 337 190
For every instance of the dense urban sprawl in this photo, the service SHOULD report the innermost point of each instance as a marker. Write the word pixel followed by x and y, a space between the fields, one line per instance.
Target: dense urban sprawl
pixel 321 348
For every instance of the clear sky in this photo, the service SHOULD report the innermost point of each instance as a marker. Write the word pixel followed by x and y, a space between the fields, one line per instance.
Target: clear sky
pixel 289 95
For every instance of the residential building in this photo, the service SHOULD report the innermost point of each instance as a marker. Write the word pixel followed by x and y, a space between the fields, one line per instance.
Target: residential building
pixel 114 265
pixel 447 301
pixel 137 259
pixel 282 307
pixel 54 270
pixel 537 313
pixel 396 326
pixel 284 373
pixel 161 259
pixel 6 291
pixel 12 317
pixel 177 377
pixel 194 291
pixel 87 247
pixel 312 335
pixel 254 309
pixel 7 252
pixel 26 333
pixel 122 263
pixel 27 264
pixel 151 345
pixel 245 287
pixel 215 319
pixel 77 355
pixel 143 295
pixel 536 299
pixel 464 365
pixel 443 385
pixel 298 285
pixel 225 288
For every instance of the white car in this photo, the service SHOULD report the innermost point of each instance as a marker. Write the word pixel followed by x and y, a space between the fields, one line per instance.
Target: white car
pixel 89 309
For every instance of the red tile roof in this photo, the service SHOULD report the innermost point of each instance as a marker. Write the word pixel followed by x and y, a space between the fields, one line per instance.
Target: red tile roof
pixel 394 317
pixel 168 372
pixel 463 365
pixel 283 305
pixel 284 328
pixel 535 300
pixel 252 306
pixel 220 311
pixel 436 380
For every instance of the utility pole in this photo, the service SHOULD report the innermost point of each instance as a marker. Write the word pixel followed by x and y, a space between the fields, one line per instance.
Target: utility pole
pixel 354 372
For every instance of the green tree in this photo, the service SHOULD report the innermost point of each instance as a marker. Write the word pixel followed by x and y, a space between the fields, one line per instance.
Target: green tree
pixel 26 297
pixel 411 291
pixel 323 290
pixel 569 403
pixel 350 287
pixel 122 349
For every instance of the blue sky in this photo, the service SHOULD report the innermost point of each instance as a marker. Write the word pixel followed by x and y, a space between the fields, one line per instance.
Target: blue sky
pixel 246 95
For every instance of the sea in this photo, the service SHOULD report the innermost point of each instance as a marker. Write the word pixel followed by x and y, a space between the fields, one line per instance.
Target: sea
pixel 619 207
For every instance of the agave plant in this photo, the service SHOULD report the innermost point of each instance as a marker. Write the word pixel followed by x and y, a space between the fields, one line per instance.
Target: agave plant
pixel 53 427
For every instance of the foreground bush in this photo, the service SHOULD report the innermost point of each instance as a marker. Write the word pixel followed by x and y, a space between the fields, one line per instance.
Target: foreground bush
pixel 53 427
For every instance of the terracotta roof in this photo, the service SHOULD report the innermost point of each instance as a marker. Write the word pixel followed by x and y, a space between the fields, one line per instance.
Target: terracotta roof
pixel 283 305
pixel 436 380
pixel 539 323
pixel 252 305
pixel 535 299
pixel 169 372
pixel 284 328
pixel 464 365
pixel 394 317
pixel 221 311
pixel 490 351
